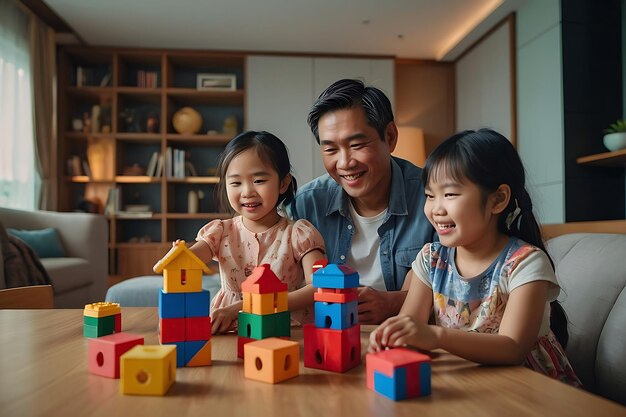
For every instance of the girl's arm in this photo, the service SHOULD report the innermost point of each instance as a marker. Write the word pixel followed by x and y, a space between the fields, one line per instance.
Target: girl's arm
pixel 518 331
pixel 303 297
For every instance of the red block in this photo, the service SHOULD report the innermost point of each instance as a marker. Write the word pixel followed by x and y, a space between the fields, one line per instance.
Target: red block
pixel 386 361
pixel 335 295
pixel 240 342
pixel 103 353
pixel 118 322
pixel 332 350
pixel 197 328
pixel 172 330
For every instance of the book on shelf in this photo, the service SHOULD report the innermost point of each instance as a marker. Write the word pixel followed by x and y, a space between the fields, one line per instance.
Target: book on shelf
pixel 74 166
pixel 151 168
pixel 86 169
pixel 84 76
pixel 158 171
pixel 133 214
pixel 113 204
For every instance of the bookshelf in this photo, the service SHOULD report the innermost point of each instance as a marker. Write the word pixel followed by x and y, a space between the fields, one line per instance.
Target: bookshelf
pixel 115 115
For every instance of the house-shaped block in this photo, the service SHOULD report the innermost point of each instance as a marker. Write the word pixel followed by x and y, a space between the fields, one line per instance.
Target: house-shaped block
pixel 336 315
pixel 263 293
pixel 103 353
pixel 148 370
pixel 399 373
pixel 336 276
pixel 182 270
pixel 332 350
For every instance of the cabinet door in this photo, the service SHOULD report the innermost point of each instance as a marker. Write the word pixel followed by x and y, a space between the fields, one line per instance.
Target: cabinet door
pixel 279 96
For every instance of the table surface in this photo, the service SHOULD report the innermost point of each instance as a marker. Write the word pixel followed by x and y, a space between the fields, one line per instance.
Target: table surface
pixel 43 372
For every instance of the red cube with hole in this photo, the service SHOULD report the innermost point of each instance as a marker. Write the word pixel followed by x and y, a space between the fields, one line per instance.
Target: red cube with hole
pixel 330 349
pixel 103 353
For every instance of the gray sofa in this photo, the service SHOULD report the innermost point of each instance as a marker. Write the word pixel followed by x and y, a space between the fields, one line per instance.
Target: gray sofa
pixel 81 276
pixel 591 268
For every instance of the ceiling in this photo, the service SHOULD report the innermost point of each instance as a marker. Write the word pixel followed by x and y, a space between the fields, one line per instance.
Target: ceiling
pixel 423 29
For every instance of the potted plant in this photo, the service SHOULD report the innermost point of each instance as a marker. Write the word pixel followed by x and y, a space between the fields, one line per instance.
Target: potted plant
pixel 615 136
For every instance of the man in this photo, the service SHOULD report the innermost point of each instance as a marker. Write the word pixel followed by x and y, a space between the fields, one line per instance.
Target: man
pixel 369 207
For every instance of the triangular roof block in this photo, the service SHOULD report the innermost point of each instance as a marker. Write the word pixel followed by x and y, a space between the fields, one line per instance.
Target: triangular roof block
pixel 180 257
pixel 336 276
pixel 263 280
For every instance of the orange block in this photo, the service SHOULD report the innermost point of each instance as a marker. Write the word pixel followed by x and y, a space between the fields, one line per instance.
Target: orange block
pixel 203 357
pixel 271 360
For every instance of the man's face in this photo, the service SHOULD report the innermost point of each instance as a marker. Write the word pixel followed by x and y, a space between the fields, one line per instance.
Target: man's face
pixel 356 158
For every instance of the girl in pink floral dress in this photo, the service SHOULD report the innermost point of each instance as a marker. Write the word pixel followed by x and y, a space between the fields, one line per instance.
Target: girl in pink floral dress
pixel 255 179
pixel 489 281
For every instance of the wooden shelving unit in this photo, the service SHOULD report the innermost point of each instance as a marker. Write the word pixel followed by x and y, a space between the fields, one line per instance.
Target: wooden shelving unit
pixel 130 85
pixel 607 159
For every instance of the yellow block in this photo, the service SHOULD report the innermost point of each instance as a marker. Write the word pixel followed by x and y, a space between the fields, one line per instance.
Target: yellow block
pixel 203 357
pixel 271 360
pixel 262 304
pixel 172 281
pixel 148 369
pixel 101 309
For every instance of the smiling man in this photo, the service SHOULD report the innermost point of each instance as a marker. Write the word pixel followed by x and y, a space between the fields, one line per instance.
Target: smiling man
pixel 369 207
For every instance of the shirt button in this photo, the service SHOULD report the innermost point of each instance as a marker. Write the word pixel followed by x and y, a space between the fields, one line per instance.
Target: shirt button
pixel 349 227
pixel 342 257
pixel 385 253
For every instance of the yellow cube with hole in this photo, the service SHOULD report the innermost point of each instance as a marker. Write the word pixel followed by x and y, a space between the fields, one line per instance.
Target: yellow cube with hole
pixel 148 369
pixel 262 304
pixel 271 360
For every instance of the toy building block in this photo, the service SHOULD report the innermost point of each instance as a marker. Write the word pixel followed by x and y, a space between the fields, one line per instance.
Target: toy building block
pixel 260 327
pixel 197 328
pixel 148 370
pixel 336 315
pixel 103 309
pixel 322 263
pixel 182 270
pixel 172 330
pixel 180 353
pixel 261 304
pixel 103 353
pixel 99 326
pixel 332 350
pixel 263 280
pixel 198 353
pixel 271 360
pixel 399 373
pixel 171 305
pixel 336 276
pixel 197 303
pixel 241 341
pixel 335 295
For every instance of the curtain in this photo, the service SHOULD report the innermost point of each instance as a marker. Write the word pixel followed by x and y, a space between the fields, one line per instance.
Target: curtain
pixel 42 58
pixel 17 153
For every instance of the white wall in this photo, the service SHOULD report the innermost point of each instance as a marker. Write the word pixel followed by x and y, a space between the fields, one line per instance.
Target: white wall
pixel 540 106
pixel 483 85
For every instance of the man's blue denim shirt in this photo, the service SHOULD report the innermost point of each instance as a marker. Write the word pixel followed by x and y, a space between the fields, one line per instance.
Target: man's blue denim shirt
pixel 404 231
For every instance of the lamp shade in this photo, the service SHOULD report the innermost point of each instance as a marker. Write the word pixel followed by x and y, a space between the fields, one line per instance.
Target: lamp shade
pixel 411 145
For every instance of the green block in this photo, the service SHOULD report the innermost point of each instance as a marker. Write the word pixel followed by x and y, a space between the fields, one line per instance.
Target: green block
pixel 98 326
pixel 257 326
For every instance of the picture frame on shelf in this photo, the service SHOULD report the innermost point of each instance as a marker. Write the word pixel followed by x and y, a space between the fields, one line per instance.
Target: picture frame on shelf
pixel 216 82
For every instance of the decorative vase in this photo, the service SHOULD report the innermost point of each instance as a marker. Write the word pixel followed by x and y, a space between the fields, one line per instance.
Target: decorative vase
pixel 187 121
pixel 615 141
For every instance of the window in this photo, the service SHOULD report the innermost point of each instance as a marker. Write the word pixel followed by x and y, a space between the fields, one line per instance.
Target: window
pixel 18 176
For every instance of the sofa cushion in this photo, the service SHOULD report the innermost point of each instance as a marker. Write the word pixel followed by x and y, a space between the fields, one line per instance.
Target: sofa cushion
pixel 590 269
pixel 68 273
pixel 44 242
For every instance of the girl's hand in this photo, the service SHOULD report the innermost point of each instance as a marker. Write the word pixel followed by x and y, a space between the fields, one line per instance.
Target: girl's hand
pixel 224 319
pixel 400 331
pixel 176 242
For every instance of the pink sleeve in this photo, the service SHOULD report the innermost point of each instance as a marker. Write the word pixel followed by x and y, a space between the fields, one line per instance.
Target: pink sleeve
pixel 211 234
pixel 305 238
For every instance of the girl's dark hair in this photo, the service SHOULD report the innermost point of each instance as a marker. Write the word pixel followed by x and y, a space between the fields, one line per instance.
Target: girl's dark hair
pixel 269 148
pixel 347 94
pixel 488 159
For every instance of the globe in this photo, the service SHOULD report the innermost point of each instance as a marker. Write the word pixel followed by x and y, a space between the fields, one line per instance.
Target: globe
pixel 187 121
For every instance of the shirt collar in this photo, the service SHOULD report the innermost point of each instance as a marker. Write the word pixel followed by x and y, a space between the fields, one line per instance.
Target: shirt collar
pixel 339 199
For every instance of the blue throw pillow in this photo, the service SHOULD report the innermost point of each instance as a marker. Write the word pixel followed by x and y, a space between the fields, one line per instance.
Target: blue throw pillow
pixel 45 242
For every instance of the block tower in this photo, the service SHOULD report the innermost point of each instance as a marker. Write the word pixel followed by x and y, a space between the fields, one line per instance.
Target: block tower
pixel 184 318
pixel 399 373
pixel 264 313
pixel 334 342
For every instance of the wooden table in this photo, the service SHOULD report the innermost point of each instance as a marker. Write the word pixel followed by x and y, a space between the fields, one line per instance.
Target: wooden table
pixel 43 372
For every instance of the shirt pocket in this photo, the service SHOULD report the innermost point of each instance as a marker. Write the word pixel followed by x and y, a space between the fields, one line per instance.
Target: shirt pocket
pixel 405 257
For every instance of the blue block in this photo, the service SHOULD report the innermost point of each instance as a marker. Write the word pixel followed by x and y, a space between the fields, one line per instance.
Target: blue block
pixel 424 379
pixel 192 348
pixel 171 305
pixel 197 303
pixel 336 316
pixel 393 387
pixel 180 353
pixel 336 276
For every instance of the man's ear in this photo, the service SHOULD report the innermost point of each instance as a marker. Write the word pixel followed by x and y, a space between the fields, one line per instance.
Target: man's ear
pixel 500 198
pixel 391 136
pixel 284 183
